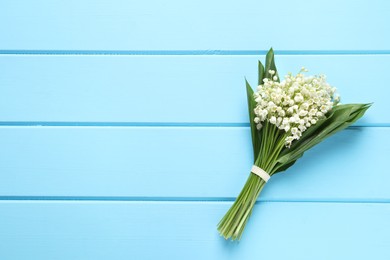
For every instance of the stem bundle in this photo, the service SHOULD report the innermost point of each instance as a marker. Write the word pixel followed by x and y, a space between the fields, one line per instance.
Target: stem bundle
pixel 233 223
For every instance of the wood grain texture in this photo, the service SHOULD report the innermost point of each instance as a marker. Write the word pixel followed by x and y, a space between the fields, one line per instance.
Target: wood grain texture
pixel 194 25
pixel 184 162
pixel 110 155
pixel 169 230
pixel 178 89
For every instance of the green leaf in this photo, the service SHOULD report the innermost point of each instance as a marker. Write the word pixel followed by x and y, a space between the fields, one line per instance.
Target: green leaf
pixel 254 131
pixel 270 65
pixel 284 167
pixel 261 73
pixel 340 118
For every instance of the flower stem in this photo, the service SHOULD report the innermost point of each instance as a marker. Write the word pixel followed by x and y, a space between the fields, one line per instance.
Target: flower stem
pixel 233 223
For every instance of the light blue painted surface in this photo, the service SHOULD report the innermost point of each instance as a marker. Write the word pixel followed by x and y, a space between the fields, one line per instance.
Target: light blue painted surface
pixel 210 163
pixel 114 179
pixel 177 230
pixel 168 88
pixel 195 25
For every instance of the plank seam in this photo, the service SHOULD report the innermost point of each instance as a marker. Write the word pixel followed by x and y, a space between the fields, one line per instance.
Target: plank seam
pixel 193 52
pixel 147 124
pixel 182 199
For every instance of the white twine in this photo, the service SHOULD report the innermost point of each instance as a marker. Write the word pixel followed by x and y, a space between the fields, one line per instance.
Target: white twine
pixel 260 172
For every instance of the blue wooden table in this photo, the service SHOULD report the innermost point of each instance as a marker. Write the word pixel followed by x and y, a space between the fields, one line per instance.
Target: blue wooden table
pixel 124 131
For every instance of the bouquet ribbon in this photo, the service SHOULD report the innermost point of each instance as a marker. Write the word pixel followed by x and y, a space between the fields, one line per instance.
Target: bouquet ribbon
pixel 260 172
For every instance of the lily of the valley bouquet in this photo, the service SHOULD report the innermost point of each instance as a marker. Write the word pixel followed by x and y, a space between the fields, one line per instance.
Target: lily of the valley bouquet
pixel 287 118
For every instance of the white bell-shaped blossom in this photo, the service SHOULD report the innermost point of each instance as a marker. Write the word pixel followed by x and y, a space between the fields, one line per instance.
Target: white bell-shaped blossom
pixel 294 104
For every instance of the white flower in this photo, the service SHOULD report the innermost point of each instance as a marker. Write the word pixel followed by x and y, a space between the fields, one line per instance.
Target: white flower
pixel 324 108
pixel 312 112
pixel 303 112
pixel 305 106
pixel 290 110
pixel 298 98
pixel 302 128
pixel 337 99
pixel 294 104
pixel 289 140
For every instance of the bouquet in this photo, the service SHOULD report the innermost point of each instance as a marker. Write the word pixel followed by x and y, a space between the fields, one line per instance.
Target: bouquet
pixel 287 118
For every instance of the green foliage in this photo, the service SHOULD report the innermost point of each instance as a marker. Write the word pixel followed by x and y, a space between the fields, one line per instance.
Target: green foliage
pixel 273 156
pixel 261 73
pixel 254 131
pixel 340 118
pixel 270 65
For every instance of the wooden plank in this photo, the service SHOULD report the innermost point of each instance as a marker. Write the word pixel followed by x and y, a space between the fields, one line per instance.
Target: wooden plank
pixel 194 25
pixel 178 89
pixel 169 230
pixel 184 162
